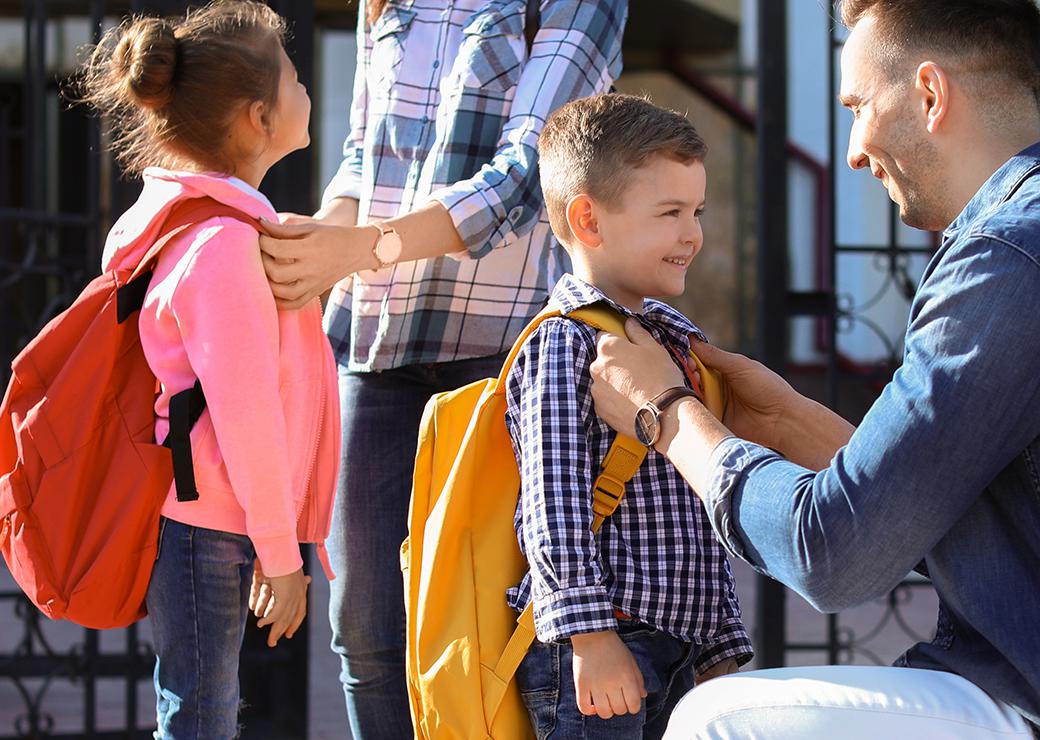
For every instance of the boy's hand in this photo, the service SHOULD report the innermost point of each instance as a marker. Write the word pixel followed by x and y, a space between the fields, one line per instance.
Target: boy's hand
pixel 729 665
pixel 284 607
pixel 606 677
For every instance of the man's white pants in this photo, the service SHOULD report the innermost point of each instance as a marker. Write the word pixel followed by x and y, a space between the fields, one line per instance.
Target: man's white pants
pixel 843 703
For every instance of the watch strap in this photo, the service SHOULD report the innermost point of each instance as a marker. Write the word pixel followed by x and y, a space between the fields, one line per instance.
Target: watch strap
pixel 666 398
pixel 383 230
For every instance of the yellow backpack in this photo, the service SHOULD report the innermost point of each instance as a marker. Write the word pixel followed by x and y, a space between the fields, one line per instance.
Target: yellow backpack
pixel 464 642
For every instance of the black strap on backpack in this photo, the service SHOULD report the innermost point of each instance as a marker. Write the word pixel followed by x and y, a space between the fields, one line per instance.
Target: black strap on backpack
pixel 185 409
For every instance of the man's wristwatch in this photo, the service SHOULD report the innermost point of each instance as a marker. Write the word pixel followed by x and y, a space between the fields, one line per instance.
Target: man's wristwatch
pixel 648 417
pixel 387 249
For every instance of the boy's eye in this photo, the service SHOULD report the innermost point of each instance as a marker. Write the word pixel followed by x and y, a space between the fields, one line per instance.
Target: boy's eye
pixel 674 212
pixel 699 212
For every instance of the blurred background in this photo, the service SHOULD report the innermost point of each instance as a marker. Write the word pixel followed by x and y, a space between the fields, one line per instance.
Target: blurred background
pixel 805 266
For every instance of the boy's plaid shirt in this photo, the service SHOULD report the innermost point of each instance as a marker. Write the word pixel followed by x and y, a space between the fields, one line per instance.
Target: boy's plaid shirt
pixel 656 559
pixel 447 107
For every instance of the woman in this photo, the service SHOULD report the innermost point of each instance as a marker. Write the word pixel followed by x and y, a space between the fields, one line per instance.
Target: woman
pixel 437 214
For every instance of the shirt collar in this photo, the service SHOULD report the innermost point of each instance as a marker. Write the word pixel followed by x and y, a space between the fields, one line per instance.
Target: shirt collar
pixel 572 293
pixel 997 189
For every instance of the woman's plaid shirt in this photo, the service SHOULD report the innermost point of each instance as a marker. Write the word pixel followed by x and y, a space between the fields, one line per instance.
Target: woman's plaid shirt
pixel 656 559
pixel 447 107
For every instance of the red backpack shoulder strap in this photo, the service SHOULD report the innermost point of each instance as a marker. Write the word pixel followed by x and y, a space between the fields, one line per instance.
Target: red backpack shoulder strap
pixel 182 217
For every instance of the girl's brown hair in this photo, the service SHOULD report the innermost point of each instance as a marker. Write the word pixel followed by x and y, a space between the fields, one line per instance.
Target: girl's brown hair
pixel 170 88
pixel 374 9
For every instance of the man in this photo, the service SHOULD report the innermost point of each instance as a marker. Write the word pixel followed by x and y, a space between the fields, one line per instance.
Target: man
pixel 944 471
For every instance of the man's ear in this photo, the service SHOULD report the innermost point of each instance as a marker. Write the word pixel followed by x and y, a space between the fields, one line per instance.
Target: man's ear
pixel 581 218
pixel 933 94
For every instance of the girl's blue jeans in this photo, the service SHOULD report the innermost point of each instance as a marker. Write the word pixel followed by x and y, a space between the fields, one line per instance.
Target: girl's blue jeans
pixel 197 603
pixel 546 682
pixel 381 413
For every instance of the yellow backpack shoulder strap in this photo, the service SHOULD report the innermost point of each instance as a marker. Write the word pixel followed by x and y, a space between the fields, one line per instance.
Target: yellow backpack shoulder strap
pixel 626 454
pixel 604 318
pixel 713 386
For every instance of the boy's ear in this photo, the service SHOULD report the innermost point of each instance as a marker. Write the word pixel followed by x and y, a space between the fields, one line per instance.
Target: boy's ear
pixel 581 218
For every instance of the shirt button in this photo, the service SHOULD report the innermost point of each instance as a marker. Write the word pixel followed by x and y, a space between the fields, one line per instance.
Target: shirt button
pixel 425 119
pixel 436 63
pixel 514 215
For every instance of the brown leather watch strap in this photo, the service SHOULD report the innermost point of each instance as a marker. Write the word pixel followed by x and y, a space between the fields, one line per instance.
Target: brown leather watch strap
pixel 664 399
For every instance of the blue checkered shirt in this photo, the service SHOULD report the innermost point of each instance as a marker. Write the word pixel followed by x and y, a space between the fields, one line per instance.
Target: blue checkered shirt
pixel 447 107
pixel 656 558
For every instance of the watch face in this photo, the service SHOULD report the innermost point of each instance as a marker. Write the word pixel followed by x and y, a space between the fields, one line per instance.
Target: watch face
pixel 388 249
pixel 646 426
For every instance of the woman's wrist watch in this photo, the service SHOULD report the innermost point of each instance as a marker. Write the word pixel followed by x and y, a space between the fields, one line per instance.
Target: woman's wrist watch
pixel 648 417
pixel 387 249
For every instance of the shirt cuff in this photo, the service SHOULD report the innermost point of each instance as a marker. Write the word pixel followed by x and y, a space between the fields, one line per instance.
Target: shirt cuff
pixel 729 460
pixel 346 183
pixel 481 221
pixel 278 555
pixel 573 611
pixel 732 641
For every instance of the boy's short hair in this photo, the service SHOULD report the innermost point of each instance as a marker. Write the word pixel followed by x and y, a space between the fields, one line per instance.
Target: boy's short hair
pixel 591 144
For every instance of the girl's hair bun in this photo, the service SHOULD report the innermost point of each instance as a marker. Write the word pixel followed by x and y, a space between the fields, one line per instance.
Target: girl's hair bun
pixel 146 59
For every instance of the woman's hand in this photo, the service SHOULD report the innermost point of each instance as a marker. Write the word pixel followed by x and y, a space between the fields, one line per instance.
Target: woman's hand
pixel 628 372
pixel 304 260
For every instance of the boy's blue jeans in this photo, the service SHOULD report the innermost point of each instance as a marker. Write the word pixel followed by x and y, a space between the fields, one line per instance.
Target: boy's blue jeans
pixel 198 600
pixel 546 682
pixel 381 413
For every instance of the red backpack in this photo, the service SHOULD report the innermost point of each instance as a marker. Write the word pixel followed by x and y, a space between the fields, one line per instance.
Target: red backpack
pixel 82 479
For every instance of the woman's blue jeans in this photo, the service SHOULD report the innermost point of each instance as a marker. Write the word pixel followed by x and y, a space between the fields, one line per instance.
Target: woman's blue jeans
pixel 198 600
pixel 381 413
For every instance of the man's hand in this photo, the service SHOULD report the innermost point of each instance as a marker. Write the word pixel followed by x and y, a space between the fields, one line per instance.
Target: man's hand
pixel 280 602
pixel 606 677
pixel 628 372
pixel 758 399
pixel 729 665
pixel 304 260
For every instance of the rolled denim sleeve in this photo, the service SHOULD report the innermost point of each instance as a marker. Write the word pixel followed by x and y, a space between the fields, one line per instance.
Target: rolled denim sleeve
pixel 346 183
pixel 577 52
pixel 965 402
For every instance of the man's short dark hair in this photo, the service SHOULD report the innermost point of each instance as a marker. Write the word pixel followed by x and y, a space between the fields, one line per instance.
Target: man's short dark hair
pixel 590 146
pixel 1001 36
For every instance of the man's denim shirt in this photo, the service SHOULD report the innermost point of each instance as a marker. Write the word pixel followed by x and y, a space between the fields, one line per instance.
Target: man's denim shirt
pixel 944 468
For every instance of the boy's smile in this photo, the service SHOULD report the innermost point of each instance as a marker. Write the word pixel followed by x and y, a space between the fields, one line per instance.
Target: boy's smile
pixel 649 238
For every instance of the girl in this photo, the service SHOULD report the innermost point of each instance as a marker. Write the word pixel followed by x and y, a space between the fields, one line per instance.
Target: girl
pixel 203 107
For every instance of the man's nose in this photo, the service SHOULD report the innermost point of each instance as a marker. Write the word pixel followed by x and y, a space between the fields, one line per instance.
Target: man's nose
pixel 856 157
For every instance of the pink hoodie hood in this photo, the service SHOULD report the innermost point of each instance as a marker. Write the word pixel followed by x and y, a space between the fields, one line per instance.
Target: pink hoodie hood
pixel 137 229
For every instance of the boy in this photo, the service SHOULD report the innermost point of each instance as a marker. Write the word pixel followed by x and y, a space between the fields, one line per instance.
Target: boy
pixel 628 619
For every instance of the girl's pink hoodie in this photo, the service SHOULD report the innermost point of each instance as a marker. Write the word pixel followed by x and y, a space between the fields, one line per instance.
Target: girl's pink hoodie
pixel 266 450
